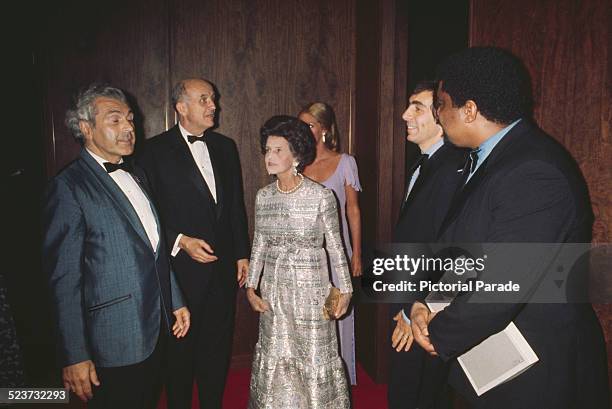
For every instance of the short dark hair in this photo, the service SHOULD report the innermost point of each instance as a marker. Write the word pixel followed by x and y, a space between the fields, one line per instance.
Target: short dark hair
pixel 428 85
pixel 425 85
pixel 297 133
pixel 493 78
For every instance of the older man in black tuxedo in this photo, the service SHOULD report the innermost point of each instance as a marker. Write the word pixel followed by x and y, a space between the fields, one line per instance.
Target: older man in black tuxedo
pixel 196 177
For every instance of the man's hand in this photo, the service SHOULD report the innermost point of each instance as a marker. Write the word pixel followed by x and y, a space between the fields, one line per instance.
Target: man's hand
pixel 345 300
pixel 197 249
pixel 242 271
pixel 181 326
pixel 79 377
pixel 420 317
pixel 356 268
pixel 402 334
pixel 257 303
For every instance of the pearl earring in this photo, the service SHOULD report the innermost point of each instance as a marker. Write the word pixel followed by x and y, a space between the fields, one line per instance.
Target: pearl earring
pixel 323 137
pixel 294 166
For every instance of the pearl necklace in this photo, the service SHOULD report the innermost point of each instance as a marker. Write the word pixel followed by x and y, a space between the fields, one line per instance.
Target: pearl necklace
pixel 293 189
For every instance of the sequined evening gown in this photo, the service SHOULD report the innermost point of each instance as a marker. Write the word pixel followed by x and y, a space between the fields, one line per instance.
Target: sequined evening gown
pixel 296 364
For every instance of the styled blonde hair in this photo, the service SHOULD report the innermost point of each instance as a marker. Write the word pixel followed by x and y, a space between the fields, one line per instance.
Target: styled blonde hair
pixel 325 115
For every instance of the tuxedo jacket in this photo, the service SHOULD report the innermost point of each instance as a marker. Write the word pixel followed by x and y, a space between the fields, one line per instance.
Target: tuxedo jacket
pixel 187 205
pixel 108 285
pixel 421 215
pixel 423 212
pixel 528 190
pixel 415 380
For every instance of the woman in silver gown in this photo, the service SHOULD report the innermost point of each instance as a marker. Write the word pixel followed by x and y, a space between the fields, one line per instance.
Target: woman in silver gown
pixel 296 362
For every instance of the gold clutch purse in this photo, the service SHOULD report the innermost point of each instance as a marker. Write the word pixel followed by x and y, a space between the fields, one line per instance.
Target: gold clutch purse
pixel 331 302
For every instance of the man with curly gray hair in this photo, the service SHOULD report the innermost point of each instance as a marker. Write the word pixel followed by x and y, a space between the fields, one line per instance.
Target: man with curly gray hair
pixel 114 293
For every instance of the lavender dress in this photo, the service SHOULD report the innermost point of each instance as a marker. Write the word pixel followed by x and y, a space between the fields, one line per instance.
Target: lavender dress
pixel 345 175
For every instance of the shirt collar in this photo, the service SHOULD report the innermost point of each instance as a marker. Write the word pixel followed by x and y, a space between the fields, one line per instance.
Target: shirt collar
pixel 99 159
pixel 433 148
pixel 185 132
pixel 485 148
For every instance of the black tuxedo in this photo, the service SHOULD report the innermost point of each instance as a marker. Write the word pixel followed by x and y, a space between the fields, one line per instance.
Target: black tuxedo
pixel 422 213
pixel 530 190
pixel 416 380
pixel 187 206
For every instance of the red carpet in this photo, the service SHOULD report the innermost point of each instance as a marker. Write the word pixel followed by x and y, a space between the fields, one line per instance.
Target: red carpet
pixel 366 395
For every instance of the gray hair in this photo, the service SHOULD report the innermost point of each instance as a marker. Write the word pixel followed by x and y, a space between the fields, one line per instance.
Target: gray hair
pixel 84 108
pixel 179 90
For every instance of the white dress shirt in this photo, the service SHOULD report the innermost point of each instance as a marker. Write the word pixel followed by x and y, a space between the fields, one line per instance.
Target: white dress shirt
pixel 137 198
pixel 199 151
pixel 432 149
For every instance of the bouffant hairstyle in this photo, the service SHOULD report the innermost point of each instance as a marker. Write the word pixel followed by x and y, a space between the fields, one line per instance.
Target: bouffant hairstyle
pixel 493 78
pixel 298 135
pixel 325 115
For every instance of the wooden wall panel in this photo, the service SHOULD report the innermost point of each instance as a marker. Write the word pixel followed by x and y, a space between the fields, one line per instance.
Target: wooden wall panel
pixel 124 44
pixel 266 58
pixel 565 44
pixel 381 95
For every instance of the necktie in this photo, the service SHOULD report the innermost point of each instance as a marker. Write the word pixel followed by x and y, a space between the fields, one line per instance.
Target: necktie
pixel 409 184
pixel 473 159
pixel 111 167
pixel 422 158
pixel 470 164
pixel 193 138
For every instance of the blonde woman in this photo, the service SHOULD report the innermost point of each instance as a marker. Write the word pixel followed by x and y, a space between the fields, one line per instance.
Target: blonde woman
pixel 338 172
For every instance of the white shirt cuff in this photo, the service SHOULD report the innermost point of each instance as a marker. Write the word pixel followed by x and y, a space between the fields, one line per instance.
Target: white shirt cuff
pixel 176 248
pixel 405 317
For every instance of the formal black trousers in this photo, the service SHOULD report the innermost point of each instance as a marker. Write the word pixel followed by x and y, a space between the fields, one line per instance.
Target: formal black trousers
pixel 204 354
pixel 134 386
pixel 416 380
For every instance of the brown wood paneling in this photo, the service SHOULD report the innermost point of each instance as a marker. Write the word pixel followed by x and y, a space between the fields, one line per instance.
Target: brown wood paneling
pixel 565 44
pixel 381 94
pixel 266 58
pixel 124 44
pixel 367 38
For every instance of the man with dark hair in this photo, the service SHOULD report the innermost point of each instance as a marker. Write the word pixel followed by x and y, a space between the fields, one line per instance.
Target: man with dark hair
pixel 416 380
pixel 520 186
pixel 195 175
pixel 113 290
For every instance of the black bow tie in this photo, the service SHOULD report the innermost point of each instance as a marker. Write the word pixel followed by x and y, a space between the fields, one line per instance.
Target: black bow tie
pixel 111 167
pixel 193 138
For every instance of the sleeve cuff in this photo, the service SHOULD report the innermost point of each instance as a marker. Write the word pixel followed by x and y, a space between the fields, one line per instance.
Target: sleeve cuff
pixel 405 317
pixel 176 248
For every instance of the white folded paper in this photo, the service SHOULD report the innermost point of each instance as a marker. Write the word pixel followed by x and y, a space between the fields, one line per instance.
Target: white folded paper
pixel 495 360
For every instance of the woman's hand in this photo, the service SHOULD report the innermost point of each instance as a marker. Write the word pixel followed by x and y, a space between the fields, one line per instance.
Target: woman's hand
pixel 257 303
pixel 345 300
